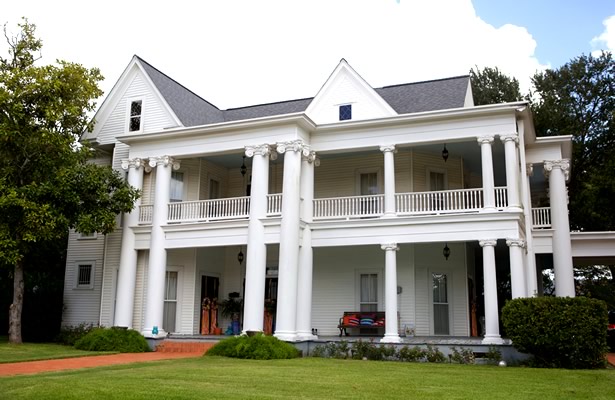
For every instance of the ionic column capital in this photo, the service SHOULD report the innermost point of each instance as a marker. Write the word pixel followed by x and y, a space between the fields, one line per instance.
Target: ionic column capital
pixel 529 169
pixel 164 161
pixel 515 243
pixel 488 242
pixel 486 139
pixel 508 137
pixel 389 247
pixel 563 164
pixel 258 150
pixel 388 148
pixel 294 145
pixel 135 163
pixel 310 157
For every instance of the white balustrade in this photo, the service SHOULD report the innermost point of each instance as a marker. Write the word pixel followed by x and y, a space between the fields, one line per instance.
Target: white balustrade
pixel 349 207
pixel 436 202
pixel 146 212
pixel 501 197
pixel 541 217
pixel 209 210
pixel 274 204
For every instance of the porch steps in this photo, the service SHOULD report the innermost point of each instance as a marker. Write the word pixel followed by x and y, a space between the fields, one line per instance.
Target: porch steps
pixel 169 346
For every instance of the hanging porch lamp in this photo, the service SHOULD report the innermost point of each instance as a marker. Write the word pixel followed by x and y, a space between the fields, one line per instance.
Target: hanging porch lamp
pixel 243 168
pixel 445 153
pixel 240 256
pixel 446 251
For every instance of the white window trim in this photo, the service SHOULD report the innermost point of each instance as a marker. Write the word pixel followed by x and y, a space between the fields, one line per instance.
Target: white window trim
pixel 180 291
pixel 76 284
pixel 449 294
pixel 82 236
pixel 379 273
pixel 184 186
pixel 211 177
pixel 127 124
pixel 379 179
pixel 429 170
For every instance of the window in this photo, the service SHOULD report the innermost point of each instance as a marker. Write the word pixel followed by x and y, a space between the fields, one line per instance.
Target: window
pixel 214 189
pixel 440 304
pixel 134 123
pixel 86 235
pixel 369 183
pixel 437 181
pixel 85 275
pixel 177 186
pixel 369 292
pixel 170 302
pixel 345 112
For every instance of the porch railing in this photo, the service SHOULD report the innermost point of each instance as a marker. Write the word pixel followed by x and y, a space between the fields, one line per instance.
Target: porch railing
pixel 541 217
pixel 274 204
pixel 146 211
pixel 439 201
pixel 501 197
pixel 349 207
pixel 209 210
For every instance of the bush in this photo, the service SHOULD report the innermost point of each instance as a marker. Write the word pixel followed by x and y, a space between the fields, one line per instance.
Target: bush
pixel 560 332
pixel 113 339
pixel 433 355
pixel 70 334
pixel 361 350
pixel 413 354
pixel 462 356
pixel 257 347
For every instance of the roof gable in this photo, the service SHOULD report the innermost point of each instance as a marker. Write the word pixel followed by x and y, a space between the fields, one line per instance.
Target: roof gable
pixel 343 87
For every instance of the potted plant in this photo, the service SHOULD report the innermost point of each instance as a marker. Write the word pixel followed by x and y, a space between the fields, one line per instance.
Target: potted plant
pixel 231 307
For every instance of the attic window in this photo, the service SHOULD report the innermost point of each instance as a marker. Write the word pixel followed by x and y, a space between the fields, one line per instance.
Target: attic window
pixel 134 124
pixel 345 112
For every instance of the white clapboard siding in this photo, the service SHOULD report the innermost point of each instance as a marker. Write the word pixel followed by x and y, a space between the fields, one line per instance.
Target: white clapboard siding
pixel 120 152
pixel 155 116
pixel 138 316
pixel 82 305
pixel 184 261
pixel 434 161
pixel 405 280
pixel 210 170
pixel 109 285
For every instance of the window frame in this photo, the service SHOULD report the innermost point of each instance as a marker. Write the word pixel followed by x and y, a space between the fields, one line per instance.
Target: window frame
pixel 91 236
pixel 90 285
pixel 183 188
pixel 379 285
pixel 449 294
pixel 347 107
pixel 428 172
pixel 129 117
pixel 379 179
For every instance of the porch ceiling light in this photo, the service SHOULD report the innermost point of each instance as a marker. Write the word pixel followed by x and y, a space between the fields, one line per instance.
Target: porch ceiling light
pixel 240 256
pixel 446 251
pixel 445 153
pixel 243 168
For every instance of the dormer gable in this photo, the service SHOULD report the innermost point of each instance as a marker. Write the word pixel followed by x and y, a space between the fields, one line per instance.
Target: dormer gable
pixel 346 96
pixel 134 105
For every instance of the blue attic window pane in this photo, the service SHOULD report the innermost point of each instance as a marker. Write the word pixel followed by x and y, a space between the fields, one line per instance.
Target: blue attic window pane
pixel 346 112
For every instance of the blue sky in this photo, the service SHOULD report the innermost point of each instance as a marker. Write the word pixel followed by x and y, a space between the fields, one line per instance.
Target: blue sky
pixel 563 29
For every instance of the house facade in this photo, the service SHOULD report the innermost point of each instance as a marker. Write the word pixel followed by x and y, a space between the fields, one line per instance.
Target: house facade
pixel 406 199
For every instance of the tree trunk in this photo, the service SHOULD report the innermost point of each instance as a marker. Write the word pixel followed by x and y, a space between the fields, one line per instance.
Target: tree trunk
pixel 16 308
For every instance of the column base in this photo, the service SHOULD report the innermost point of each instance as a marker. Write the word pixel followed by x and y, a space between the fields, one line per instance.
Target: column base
pixel 286 336
pixel 251 332
pixel 389 215
pixel 391 339
pixel 305 336
pixel 160 335
pixel 493 339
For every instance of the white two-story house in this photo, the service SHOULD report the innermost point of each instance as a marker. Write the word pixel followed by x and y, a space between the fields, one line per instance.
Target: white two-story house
pixel 405 199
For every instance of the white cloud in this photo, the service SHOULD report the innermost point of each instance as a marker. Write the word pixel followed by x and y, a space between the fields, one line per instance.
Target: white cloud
pixel 606 40
pixel 243 52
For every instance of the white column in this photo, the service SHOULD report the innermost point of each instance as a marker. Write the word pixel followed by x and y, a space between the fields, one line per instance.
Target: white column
pixel 256 260
pixel 286 315
pixel 492 327
pixel 157 267
pixel 512 170
pixel 304 280
pixel 487 171
pixel 391 331
pixel 530 256
pixel 127 274
pixel 557 171
pixel 389 180
pixel 517 266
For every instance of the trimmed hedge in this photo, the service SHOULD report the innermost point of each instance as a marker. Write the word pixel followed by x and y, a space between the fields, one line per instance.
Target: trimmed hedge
pixel 560 332
pixel 113 339
pixel 257 347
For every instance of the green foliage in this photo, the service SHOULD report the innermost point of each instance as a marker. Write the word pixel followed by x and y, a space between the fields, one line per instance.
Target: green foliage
pixel 494 355
pixel 362 349
pixel 462 356
pixel 113 339
pixel 339 350
pixel 558 332
pixel 69 335
pixel 433 355
pixel 491 86
pixel 411 354
pixel 257 347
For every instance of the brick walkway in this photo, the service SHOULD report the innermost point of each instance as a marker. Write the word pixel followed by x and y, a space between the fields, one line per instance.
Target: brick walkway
pixel 34 367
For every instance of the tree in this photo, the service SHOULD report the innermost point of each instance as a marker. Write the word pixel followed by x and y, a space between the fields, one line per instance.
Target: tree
pixel 578 99
pixel 46 184
pixel 491 86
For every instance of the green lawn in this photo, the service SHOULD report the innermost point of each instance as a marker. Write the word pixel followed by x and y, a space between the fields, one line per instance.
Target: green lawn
pixel 310 378
pixel 38 351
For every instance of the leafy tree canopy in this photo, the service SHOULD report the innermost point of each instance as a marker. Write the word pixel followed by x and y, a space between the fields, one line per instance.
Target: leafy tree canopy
pixel 491 86
pixel 46 184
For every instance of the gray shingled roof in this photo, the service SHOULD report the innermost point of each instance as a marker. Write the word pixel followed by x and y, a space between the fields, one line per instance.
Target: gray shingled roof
pixel 193 110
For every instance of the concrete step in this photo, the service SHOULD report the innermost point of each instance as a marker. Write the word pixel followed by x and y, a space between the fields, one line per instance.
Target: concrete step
pixel 168 346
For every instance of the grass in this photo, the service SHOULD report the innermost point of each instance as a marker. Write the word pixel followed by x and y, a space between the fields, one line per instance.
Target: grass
pixel 10 353
pixel 309 378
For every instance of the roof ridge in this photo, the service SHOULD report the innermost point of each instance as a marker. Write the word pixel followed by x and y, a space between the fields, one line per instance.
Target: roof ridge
pixel 426 81
pixel 171 79
pixel 266 104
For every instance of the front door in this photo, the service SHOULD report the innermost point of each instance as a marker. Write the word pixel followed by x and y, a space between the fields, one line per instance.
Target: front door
pixel 209 296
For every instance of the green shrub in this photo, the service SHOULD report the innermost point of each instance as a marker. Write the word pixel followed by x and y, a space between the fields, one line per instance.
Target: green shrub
pixel 257 347
pixel 432 354
pixel 113 339
pixel 413 354
pixel 338 350
pixel 494 355
pixel 560 332
pixel 462 356
pixel 362 349
pixel 70 334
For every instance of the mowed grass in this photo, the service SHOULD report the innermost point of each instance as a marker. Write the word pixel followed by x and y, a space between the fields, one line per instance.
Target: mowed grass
pixel 309 378
pixel 10 353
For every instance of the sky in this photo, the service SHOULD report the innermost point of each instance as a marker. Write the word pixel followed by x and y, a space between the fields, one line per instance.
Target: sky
pixel 243 52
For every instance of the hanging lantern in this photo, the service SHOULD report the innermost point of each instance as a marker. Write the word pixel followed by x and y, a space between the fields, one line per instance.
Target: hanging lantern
pixel 240 256
pixel 243 168
pixel 446 251
pixel 445 153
